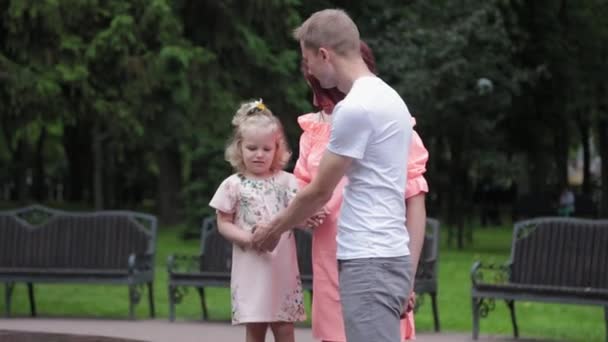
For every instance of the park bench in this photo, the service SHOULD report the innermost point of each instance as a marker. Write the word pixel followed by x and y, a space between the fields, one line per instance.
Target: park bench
pixel 43 245
pixel 556 260
pixel 212 267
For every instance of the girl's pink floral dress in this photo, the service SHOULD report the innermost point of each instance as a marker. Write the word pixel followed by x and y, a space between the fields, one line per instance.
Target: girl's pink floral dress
pixel 327 323
pixel 265 287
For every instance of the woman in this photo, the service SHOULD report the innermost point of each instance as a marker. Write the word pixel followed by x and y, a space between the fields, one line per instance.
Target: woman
pixel 327 322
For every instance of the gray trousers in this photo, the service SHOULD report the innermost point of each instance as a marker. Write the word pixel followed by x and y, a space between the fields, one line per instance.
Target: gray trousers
pixel 373 292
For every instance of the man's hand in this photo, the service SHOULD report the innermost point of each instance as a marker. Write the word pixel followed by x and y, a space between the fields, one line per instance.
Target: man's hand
pixel 264 239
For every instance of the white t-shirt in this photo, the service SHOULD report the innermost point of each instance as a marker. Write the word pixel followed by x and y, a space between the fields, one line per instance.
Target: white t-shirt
pixel 372 126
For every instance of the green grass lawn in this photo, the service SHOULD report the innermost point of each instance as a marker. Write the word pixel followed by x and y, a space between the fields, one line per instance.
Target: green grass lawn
pixel 565 322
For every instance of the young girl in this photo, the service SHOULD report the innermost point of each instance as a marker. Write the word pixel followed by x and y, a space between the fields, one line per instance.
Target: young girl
pixel 266 289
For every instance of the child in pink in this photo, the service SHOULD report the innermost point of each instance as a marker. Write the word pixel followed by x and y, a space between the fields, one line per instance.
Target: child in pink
pixel 327 322
pixel 266 291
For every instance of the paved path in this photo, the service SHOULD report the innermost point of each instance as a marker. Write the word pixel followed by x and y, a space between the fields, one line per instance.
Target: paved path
pixel 162 331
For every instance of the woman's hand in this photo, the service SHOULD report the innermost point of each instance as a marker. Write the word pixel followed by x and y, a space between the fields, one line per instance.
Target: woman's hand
pixel 411 303
pixel 317 219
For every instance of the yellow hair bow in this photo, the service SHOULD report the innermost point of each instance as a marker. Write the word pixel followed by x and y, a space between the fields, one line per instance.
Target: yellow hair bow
pixel 258 107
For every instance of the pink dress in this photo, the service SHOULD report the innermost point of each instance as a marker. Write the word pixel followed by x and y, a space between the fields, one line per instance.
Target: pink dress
pixel 265 287
pixel 327 323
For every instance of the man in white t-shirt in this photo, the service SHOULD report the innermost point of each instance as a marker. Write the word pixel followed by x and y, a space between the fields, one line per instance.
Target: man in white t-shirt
pixel 370 141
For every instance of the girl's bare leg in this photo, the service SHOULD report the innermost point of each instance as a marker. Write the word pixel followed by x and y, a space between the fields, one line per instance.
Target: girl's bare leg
pixel 256 332
pixel 283 331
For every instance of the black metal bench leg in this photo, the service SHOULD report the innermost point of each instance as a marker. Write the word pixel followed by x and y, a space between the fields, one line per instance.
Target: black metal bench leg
pixel 475 306
pixel 606 319
pixel 151 299
pixel 30 293
pixel 511 305
pixel 435 311
pixel 311 293
pixel 132 300
pixel 172 290
pixel 8 292
pixel 201 293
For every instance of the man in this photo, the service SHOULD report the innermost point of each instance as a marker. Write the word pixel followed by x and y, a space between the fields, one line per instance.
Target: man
pixel 369 143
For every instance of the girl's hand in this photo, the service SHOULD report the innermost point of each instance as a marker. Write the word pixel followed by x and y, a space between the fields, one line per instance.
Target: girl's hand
pixel 247 242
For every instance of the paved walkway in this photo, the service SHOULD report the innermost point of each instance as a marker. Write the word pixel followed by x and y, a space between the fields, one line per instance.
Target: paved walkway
pixel 162 331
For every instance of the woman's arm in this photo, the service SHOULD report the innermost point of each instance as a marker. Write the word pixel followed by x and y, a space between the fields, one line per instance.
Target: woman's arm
pixel 416 224
pixel 417 187
pixel 301 170
pixel 304 175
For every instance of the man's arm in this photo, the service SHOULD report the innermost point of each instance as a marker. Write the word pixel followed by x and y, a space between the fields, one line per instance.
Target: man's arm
pixel 307 202
pixel 416 225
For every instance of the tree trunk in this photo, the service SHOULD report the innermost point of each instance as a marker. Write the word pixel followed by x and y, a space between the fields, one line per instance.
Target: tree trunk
pixel 169 183
pixel 561 155
pixel 97 144
pixel 537 170
pixel 603 142
pixel 457 192
pixel 39 181
pixel 20 171
pixel 436 203
pixel 111 200
pixel 583 126
pixel 77 146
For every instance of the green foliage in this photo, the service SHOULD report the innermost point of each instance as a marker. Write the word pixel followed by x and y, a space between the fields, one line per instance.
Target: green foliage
pixel 452 63
pixel 493 85
pixel 258 59
pixel 436 57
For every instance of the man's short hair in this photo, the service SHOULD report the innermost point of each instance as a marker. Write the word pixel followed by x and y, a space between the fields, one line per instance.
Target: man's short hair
pixel 330 28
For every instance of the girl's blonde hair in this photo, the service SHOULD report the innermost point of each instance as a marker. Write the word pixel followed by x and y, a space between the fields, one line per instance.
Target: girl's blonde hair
pixel 254 114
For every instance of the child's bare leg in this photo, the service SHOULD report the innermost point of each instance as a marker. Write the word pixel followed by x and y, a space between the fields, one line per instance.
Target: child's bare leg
pixel 256 332
pixel 283 331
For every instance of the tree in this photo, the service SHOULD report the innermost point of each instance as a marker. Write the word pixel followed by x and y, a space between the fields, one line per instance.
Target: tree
pixel 450 61
pixel 255 58
pixel 30 89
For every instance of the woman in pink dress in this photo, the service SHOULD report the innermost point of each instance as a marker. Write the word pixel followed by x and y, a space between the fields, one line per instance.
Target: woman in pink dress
pixel 327 322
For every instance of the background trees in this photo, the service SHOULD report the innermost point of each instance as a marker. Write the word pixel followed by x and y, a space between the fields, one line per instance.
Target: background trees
pixel 113 104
